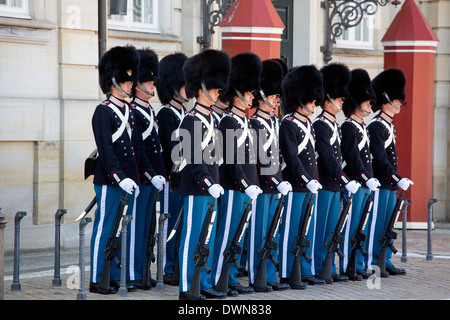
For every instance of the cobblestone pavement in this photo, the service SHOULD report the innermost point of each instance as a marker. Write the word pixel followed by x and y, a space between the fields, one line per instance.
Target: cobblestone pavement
pixel 425 280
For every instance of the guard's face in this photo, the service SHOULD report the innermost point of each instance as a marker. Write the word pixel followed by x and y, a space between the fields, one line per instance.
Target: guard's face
pixel 214 93
pixel 311 106
pixel 149 86
pixel 398 104
pixel 126 86
pixel 248 96
pixel 275 100
pixel 183 92
pixel 366 106
pixel 340 102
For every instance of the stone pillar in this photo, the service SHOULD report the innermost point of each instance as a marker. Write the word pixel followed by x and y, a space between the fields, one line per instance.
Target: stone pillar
pixel 410 45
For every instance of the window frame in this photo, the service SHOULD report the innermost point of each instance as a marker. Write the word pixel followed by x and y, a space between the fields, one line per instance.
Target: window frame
pixel 22 12
pixel 128 24
pixel 367 22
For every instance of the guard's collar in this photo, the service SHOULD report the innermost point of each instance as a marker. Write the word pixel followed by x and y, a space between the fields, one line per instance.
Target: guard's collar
pixel 141 102
pixel 118 102
pixel 329 115
pixel 202 108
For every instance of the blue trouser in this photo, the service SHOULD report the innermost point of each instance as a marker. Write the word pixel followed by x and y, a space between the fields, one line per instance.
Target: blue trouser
pixel 141 226
pixel 195 210
pixel 258 227
pixel 171 203
pixel 383 205
pixel 232 206
pixel 295 204
pixel 108 202
pixel 328 210
pixel 357 207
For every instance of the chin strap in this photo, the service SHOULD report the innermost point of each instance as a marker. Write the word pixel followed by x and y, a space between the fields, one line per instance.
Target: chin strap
pixel 145 90
pixel 306 108
pixel 241 97
pixel 334 102
pixel 263 95
pixel 390 101
pixel 363 111
pixel 208 96
pixel 115 84
pixel 359 108
pixel 179 96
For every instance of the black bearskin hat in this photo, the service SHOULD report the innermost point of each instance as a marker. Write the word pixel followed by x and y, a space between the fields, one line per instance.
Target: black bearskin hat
pixel 302 85
pixel 148 67
pixel 121 63
pixel 336 77
pixel 245 74
pixel 360 89
pixel 391 81
pixel 212 67
pixel 271 78
pixel 283 65
pixel 171 76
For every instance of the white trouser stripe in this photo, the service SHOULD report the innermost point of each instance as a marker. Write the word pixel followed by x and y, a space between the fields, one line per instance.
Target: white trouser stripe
pixel 347 234
pixel 132 238
pixel 372 229
pixel 184 284
pixel 225 235
pixel 252 250
pixel 286 235
pixel 99 233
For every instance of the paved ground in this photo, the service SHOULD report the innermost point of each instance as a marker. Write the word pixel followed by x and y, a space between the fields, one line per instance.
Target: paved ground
pixel 425 280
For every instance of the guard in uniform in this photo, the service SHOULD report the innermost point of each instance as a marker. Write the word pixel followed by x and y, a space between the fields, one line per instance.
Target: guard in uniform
pixel 357 159
pixel 302 90
pixel 269 171
pixel 171 93
pixel 205 73
pixel 389 88
pixel 238 173
pixel 336 78
pixel 121 155
pixel 146 120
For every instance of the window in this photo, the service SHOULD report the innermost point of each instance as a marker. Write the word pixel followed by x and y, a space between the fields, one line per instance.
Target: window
pixel 141 16
pixel 14 9
pixel 358 37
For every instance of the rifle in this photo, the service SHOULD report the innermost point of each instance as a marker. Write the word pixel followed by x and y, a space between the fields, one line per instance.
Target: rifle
pixel 233 249
pixel 149 249
pixel 358 239
pixel 333 244
pixel 176 269
pixel 387 239
pixel 265 251
pixel 88 208
pixel 298 249
pixel 113 245
pixel 202 252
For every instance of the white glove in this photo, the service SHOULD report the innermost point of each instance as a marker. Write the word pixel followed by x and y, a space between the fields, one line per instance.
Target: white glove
pixel 352 186
pixel 284 187
pixel 373 184
pixel 127 185
pixel 158 182
pixel 215 190
pixel 405 183
pixel 314 186
pixel 253 191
